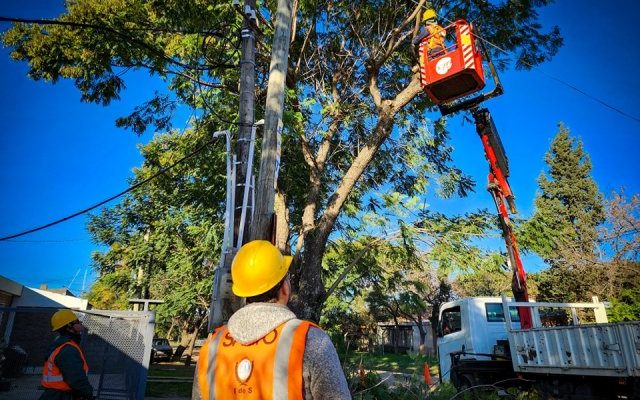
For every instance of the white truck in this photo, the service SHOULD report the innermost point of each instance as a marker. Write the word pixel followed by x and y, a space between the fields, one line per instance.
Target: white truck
pixel 570 352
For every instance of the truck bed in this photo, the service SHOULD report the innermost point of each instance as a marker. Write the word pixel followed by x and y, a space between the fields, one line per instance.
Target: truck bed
pixel 611 349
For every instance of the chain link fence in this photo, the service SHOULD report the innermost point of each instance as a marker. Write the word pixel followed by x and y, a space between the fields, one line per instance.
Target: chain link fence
pixel 116 344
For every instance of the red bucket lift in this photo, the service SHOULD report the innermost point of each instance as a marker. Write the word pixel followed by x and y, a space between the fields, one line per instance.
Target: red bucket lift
pixel 453 77
pixel 456 71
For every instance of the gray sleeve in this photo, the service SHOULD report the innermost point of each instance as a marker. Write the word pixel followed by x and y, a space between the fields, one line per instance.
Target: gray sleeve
pixel 195 389
pixel 322 373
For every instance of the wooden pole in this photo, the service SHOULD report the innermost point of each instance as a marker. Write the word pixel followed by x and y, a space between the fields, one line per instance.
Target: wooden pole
pixel 261 227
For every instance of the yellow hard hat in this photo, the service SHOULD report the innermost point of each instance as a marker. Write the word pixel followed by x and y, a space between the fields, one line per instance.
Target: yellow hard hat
pixel 429 14
pixel 61 318
pixel 257 267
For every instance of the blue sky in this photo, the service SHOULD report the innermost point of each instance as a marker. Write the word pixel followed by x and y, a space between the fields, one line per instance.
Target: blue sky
pixel 58 155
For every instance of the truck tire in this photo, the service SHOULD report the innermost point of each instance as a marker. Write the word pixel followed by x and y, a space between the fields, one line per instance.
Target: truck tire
pixel 462 382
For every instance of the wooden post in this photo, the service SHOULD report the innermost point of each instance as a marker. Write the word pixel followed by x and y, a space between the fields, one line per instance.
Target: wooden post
pixel 261 227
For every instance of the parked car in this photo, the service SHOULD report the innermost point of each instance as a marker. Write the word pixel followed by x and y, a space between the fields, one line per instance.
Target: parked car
pixel 161 350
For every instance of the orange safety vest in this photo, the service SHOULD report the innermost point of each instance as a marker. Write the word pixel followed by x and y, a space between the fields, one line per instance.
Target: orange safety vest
pixel 52 377
pixel 270 368
pixel 436 37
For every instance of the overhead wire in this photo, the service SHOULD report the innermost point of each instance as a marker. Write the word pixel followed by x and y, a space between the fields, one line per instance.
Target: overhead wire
pixel 111 198
pixel 46 241
pixel 104 27
pixel 139 184
pixel 569 85
pixel 122 32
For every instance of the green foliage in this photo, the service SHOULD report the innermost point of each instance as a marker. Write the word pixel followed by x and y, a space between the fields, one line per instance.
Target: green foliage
pixel 569 207
pixel 349 61
pixel 563 229
pixel 367 380
pixel 453 248
pixel 409 362
pixel 106 293
pixel 164 238
pixel 483 283
pixel 402 276
pixel 116 36
pixel 626 306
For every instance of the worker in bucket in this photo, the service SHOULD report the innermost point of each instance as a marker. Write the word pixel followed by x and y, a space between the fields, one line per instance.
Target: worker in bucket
pixel 64 375
pixel 264 352
pixel 436 34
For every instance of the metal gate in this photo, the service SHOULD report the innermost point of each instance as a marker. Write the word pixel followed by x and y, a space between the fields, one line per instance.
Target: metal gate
pixel 117 346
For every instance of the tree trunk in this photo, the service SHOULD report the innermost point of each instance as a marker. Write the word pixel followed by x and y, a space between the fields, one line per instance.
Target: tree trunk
pixel 186 337
pixel 423 334
pixel 170 331
pixel 435 313
pixel 308 299
pixel 282 223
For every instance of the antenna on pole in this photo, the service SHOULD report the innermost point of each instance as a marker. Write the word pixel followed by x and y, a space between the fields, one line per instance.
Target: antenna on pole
pixel 84 279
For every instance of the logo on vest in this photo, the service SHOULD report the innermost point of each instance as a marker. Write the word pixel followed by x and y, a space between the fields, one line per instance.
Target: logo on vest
pixel 244 368
pixel 443 65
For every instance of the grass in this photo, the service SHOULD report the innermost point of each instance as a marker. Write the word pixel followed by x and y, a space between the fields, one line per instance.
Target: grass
pixel 169 389
pixel 177 370
pixel 157 388
pixel 405 362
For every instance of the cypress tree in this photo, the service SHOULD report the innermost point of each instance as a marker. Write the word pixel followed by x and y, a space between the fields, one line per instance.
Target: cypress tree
pixel 563 229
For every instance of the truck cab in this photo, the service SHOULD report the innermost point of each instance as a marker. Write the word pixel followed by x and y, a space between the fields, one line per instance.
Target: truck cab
pixel 472 328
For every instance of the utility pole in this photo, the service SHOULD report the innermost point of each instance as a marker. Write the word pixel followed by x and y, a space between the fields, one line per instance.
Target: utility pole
pixel 261 227
pixel 247 102
pixel 223 302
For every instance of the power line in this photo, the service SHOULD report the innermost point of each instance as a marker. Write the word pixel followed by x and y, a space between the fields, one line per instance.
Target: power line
pixel 104 27
pixel 569 85
pixel 46 241
pixel 131 188
pixel 122 32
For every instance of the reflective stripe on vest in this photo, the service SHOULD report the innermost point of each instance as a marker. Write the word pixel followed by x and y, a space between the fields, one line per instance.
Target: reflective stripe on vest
pixel 206 366
pixel 436 37
pixel 51 376
pixel 270 368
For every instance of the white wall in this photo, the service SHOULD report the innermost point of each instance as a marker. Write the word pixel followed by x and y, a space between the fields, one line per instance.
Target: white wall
pixel 41 298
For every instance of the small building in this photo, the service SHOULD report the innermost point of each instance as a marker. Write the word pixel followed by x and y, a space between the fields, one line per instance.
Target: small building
pixel 36 307
pixel 405 336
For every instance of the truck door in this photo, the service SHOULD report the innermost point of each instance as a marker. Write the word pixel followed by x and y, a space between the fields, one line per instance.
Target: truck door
pixel 451 338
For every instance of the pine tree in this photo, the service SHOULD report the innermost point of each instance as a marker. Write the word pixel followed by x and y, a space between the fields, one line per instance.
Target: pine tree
pixel 563 229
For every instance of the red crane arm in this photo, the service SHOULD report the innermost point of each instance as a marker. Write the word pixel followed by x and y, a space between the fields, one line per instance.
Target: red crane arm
pixel 503 196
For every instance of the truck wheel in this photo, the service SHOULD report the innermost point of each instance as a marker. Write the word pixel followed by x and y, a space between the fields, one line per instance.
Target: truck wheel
pixel 462 382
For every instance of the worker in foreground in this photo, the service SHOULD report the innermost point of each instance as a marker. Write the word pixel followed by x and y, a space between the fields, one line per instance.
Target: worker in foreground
pixel 436 33
pixel 64 375
pixel 265 352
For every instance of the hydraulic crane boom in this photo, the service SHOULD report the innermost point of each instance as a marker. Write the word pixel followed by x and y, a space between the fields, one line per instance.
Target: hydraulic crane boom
pixel 503 196
pixel 454 80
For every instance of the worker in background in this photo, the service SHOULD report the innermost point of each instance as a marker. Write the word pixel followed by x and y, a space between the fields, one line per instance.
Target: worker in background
pixel 265 352
pixel 64 375
pixel 436 33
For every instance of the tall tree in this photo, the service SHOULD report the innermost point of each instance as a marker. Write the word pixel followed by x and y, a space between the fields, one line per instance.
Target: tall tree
pixel 355 124
pixel 563 229
pixel 163 238
pixel 354 62
pixel 619 272
pixel 402 276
